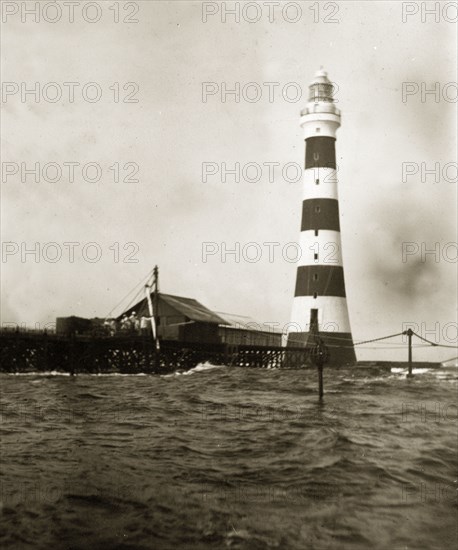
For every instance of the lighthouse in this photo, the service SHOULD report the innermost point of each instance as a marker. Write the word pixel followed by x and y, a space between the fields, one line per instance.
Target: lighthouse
pixel 320 303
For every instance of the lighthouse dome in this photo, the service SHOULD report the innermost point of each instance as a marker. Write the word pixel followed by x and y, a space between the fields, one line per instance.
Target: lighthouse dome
pixel 321 77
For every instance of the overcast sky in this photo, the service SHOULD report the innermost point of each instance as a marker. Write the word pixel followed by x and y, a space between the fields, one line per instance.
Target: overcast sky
pixel 368 51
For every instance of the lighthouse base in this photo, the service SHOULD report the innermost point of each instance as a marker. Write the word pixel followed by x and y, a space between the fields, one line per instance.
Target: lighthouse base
pixel 340 345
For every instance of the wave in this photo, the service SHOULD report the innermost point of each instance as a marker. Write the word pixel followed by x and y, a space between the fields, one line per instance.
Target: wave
pixel 201 367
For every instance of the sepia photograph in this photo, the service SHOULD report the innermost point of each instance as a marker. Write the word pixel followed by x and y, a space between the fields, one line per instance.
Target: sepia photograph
pixel 229 284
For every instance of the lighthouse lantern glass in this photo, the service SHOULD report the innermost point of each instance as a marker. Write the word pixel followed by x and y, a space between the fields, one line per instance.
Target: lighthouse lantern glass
pixel 321 92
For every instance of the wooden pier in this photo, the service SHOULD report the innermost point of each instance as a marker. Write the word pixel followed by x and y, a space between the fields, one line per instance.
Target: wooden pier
pixel 22 352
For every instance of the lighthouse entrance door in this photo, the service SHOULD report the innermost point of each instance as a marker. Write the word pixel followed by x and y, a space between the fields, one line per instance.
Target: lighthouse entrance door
pixel 314 321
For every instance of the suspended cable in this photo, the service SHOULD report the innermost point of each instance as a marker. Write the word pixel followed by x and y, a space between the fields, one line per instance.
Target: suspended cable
pixel 394 345
pixel 130 291
pixel 434 343
pixel 134 299
pixel 378 339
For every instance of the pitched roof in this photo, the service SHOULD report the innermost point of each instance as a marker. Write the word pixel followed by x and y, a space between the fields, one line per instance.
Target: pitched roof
pixel 246 323
pixel 192 308
pixel 188 307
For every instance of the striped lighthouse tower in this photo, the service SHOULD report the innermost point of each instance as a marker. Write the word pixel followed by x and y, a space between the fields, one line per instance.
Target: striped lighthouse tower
pixel 320 304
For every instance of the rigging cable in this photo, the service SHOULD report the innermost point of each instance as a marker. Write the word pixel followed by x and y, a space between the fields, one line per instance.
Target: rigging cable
pixel 433 343
pixel 130 291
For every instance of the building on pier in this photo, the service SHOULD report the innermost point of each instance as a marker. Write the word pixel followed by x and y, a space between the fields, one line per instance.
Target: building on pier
pixel 187 320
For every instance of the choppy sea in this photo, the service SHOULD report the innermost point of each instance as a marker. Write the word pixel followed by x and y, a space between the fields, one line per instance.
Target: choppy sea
pixel 224 457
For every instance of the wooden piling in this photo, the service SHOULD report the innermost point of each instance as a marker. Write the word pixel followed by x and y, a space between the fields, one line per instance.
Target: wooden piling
pixel 320 356
pixel 409 336
pixel 320 382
